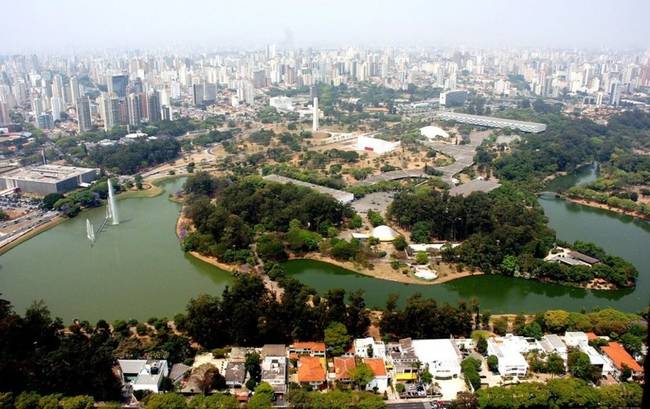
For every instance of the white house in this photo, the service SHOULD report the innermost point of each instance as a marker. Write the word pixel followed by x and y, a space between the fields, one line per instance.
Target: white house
pixel 380 381
pixel 433 132
pixel 440 355
pixel 580 340
pixel 362 346
pixel 511 362
pixel 552 343
pixel 379 146
pixel 142 374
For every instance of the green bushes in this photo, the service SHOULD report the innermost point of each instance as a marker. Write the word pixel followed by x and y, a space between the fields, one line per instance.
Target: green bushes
pixel 470 368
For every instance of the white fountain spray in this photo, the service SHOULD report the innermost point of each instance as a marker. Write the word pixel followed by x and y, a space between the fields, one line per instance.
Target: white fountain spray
pixel 112 207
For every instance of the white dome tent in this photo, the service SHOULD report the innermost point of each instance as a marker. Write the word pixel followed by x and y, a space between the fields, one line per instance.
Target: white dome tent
pixel 432 132
pixel 384 233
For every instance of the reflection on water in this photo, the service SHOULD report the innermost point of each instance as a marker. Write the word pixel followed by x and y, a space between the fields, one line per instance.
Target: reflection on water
pixel 619 235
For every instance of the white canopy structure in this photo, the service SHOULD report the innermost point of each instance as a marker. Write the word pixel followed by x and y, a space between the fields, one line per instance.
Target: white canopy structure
pixel 432 132
pixel 384 233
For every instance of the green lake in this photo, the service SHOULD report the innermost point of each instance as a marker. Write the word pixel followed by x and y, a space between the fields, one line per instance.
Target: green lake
pixel 137 269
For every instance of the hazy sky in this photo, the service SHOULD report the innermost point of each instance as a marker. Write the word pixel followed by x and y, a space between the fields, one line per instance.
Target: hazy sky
pixel 79 25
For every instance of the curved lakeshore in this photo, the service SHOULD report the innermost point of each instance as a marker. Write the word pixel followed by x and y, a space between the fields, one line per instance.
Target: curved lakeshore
pixel 139 270
pixel 595 204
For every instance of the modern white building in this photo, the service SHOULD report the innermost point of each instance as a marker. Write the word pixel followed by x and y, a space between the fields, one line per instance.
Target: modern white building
pixel 379 146
pixel 508 351
pixel 433 132
pixel 441 356
pixel 142 374
pixel 552 343
pixel 281 103
pixel 362 347
pixel 492 122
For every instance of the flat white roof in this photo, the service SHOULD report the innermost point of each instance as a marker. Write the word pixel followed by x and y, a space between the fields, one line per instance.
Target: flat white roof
pixel 436 350
pixel 47 173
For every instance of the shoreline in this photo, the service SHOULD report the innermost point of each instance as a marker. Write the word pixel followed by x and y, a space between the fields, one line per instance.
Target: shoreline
pixel 603 206
pixel 385 272
pixel 32 233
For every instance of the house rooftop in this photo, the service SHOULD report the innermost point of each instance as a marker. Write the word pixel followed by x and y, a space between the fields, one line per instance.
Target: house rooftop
pixel 235 372
pixel 310 369
pixel 308 345
pixel 343 366
pixel 377 365
pixel 620 357
pixel 274 350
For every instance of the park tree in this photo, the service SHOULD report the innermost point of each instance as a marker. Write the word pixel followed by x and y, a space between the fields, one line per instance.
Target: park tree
pixel 165 401
pixel 580 366
pixel 336 338
pixel 493 363
pixel 481 345
pixel 253 369
pixel 361 375
pixel 262 398
pixel 555 364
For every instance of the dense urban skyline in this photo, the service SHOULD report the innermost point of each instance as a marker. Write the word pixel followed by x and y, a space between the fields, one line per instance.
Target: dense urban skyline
pixel 74 26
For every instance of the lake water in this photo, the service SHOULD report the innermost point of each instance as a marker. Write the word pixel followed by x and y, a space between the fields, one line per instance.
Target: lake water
pixel 134 270
pixel 137 269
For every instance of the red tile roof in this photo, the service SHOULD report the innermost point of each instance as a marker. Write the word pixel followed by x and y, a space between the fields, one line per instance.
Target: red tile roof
pixel 313 346
pixel 343 366
pixel 377 365
pixel 591 336
pixel 310 370
pixel 619 356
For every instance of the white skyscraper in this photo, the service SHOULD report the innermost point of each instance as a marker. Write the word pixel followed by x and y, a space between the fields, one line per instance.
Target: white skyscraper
pixel 314 126
pixel 57 107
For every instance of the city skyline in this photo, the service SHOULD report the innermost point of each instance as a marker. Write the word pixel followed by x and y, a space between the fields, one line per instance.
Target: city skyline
pixel 72 26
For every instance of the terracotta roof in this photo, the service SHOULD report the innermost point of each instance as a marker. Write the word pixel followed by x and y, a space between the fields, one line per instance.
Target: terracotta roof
pixel 619 356
pixel 343 366
pixel 377 365
pixel 314 346
pixel 591 336
pixel 310 370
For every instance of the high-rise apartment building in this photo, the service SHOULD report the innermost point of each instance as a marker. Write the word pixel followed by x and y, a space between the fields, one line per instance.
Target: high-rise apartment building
pixel 83 114
pixel 153 106
pixel 117 85
pixel 133 103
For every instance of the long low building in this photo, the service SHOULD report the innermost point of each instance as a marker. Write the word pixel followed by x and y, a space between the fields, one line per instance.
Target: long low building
pixel 340 195
pixel 46 179
pixel 492 122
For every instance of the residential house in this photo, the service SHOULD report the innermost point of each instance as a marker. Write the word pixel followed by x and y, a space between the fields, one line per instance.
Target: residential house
pixel 508 352
pixel 402 361
pixel 311 371
pixel 380 381
pixel 235 374
pixel 142 374
pixel 316 349
pixel 552 343
pixel 369 348
pixel 343 367
pixel 620 358
pixel 274 368
pixel 580 340
pixel 441 356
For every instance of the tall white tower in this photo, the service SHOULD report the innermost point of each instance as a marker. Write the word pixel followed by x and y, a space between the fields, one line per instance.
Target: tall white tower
pixel 314 126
